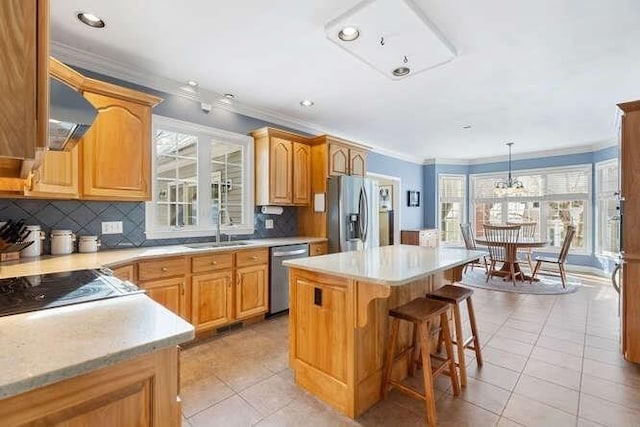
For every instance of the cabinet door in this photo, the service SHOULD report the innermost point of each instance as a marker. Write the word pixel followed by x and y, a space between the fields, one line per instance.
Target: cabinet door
pixel 318 248
pixel 57 177
pixel 338 160
pixel 251 291
pixel 168 292
pixel 211 304
pixel 116 150
pixel 20 77
pixel 301 174
pixel 280 170
pixel 321 322
pixel 357 162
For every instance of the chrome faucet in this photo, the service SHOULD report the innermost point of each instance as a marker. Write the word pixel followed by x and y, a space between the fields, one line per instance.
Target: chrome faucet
pixel 218 222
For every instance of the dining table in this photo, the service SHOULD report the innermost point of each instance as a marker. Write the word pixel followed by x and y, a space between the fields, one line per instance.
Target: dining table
pixel 512 256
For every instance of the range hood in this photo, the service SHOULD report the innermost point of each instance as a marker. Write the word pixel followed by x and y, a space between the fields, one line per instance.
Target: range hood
pixel 70 116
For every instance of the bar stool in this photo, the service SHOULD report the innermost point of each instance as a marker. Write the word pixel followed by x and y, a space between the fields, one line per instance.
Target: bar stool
pixel 455 295
pixel 422 313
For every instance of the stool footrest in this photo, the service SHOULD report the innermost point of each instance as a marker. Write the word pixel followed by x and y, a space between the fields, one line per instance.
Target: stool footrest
pixel 407 390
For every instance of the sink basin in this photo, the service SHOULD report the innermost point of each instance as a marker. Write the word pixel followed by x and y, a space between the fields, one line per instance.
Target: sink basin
pixel 207 245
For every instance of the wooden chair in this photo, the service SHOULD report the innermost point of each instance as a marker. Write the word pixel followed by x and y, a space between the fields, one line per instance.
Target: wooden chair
pixel 527 230
pixel 562 257
pixel 422 313
pixel 470 244
pixel 502 243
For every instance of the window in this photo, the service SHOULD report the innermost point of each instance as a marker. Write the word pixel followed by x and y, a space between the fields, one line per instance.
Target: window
pixel 553 197
pixel 451 195
pixel 199 173
pixel 607 214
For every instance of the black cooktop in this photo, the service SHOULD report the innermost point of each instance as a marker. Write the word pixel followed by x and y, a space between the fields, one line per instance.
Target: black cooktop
pixel 29 293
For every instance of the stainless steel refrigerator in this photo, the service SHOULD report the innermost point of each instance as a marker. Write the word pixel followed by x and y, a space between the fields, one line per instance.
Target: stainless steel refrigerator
pixel 352 213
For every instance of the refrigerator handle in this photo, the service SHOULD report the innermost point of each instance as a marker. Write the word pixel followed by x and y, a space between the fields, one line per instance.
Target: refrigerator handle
pixel 366 215
pixel 614 282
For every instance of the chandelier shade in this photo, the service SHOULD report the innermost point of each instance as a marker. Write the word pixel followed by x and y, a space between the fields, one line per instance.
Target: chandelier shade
pixel 512 186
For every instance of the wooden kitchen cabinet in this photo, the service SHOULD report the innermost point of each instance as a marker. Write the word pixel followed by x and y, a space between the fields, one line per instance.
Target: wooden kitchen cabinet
pixel 115 153
pixel 212 300
pixel 137 392
pixel 338 159
pixel 301 174
pixel 357 162
pixel 24 85
pixel 171 293
pixel 282 168
pixel 318 248
pixel 57 177
pixel 125 272
pixel 252 294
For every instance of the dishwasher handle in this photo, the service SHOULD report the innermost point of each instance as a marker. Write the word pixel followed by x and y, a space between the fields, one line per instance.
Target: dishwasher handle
pixel 290 253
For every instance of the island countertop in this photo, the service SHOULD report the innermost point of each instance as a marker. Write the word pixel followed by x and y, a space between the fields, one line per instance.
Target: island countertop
pixel 387 265
pixel 43 347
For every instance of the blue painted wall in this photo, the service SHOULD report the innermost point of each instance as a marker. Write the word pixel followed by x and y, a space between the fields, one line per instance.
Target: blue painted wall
pixel 411 176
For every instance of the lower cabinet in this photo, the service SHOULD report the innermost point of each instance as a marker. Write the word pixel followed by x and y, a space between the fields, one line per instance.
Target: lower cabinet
pixel 211 300
pixel 137 392
pixel 125 272
pixel 251 291
pixel 169 292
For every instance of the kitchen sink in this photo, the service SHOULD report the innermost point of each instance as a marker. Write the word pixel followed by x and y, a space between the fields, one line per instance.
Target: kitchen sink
pixel 207 245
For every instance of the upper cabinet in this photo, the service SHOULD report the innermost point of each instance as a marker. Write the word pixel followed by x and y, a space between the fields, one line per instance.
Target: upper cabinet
pixel 24 84
pixel 344 157
pixel 283 168
pixel 116 151
pixel 112 160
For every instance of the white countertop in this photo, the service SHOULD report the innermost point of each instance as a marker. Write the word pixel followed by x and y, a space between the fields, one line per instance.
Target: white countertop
pixel 388 265
pixel 47 346
pixel 114 257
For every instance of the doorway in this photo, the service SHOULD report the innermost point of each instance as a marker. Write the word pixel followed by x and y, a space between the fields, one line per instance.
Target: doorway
pixel 389 205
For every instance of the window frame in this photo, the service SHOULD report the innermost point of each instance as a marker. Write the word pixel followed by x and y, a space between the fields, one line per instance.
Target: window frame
pixel 205 225
pixel 602 196
pixel 462 200
pixel 587 248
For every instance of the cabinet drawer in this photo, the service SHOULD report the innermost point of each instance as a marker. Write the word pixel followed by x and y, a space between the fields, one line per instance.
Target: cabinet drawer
pixel 318 248
pixel 161 268
pixel 211 262
pixel 254 257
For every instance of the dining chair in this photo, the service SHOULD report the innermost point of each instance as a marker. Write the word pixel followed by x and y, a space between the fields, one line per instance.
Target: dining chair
pixel 502 243
pixel 470 244
pixel 527 230
pixel 562 257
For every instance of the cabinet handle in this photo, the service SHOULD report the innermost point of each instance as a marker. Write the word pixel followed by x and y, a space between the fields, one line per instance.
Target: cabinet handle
pixel 254 258
pixel 238 279
pixel 182 288
pixel 214 262
pixel 164 269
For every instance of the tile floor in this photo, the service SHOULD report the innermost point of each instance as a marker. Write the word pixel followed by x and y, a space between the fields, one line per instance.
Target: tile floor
pixel 549 361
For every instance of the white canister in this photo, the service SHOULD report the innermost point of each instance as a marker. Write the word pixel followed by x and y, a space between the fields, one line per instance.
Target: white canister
pixel 88 244
pixel 62 242
pixel 36 236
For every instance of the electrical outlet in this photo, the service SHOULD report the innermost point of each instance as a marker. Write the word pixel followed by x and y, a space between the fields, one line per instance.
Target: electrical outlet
pixel 268 224
pixel 112 227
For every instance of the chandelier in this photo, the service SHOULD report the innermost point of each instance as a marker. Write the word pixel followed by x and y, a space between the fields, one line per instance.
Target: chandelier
pixel 511 186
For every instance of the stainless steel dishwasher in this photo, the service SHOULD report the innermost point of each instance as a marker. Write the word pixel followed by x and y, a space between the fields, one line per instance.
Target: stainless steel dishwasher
pixel 279 278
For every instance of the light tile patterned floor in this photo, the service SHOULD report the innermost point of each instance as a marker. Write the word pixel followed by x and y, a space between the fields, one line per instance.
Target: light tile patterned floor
pixel 549 361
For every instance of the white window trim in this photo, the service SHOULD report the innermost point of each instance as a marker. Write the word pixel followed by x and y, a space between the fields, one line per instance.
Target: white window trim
pixel 205 227
pixel 588 217
pixel 463 201
pixel 598 244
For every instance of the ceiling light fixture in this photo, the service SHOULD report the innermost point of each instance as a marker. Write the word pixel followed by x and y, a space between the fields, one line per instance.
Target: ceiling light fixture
pixel 306 103
pixel 229 96
pixel 512 186
pixel 192 83
pixel 348 34
pixel 401 71
pixel 90 19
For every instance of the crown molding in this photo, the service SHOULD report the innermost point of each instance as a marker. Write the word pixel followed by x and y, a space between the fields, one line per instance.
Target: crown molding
pixel 100 64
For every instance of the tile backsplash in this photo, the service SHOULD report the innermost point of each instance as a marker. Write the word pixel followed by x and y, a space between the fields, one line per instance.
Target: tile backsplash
pixel 86 217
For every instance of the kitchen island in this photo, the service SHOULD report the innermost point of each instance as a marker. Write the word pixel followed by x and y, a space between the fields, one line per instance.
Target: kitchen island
pixel 338 319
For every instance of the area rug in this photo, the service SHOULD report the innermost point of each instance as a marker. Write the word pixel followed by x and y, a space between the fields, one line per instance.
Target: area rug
pixel 548 285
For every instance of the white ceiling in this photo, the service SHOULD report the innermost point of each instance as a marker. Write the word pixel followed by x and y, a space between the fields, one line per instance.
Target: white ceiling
pixel 545 74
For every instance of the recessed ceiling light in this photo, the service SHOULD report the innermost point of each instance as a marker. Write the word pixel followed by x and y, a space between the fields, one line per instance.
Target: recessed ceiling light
pixel 229 95
pixel 90 19
pixel 306 103
pixel 348 34
pixel 192 83
pixel 466 127
pixel 401 71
